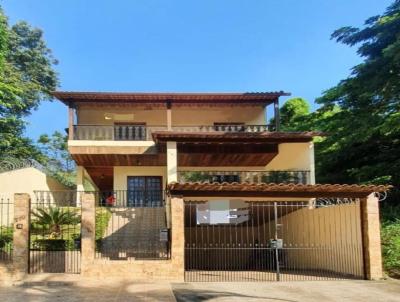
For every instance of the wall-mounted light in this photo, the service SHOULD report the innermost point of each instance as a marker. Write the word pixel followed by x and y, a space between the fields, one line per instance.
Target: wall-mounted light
pixel 108 116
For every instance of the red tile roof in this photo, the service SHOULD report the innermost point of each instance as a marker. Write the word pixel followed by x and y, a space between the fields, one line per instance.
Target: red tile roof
pixel 138 97
pixel 254 137
pixel 274 190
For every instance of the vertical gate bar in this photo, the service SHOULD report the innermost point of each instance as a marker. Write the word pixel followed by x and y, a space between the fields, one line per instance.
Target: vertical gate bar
pixel 339 243
pixel 259 247
pixel 341 251
pixel 264 251
pixel 276 237
pixel 350 245
pixel 290 245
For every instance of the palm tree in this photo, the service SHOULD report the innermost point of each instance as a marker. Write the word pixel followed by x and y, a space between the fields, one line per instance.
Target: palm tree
pixel 53 218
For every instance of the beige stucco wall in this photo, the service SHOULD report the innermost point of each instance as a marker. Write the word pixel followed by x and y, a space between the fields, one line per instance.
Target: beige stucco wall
pixel 121 174
pixel 332 234
pixel 28 180
pixel 180 116
pixel 291 156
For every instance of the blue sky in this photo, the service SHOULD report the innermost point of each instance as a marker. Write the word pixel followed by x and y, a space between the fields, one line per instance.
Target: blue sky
pixel 208 45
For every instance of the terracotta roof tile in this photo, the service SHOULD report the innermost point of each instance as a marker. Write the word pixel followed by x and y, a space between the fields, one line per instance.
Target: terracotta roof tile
pixel 275 189
pixel 163 136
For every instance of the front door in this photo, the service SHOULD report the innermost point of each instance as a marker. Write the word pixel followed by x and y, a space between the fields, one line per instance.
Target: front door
pixel 145 191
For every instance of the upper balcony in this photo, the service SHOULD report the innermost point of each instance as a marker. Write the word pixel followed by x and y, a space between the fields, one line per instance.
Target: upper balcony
pixel 144 133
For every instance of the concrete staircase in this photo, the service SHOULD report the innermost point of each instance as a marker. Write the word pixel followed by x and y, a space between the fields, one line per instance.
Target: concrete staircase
pixel 134 233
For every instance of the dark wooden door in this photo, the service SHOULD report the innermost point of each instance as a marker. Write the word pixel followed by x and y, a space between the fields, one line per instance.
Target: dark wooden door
pixel 145 191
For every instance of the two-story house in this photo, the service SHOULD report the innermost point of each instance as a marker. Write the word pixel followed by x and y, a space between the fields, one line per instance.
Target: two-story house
pixel 205 174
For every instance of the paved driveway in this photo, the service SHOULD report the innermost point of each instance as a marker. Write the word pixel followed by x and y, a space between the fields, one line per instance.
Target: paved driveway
pixel 70 290
pixel 321 291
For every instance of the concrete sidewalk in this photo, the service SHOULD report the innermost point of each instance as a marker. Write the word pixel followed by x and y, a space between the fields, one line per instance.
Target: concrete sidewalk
pixel 307 291
pixel 71 288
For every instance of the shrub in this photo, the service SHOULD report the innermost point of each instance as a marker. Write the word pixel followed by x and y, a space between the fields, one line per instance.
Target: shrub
pixel 391 247
pixel 50 244
pixel 52 219
pixel 6 236
pixel 390 234
pixel 103 215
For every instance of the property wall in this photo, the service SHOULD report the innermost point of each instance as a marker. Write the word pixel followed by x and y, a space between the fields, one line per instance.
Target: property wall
pixel 332 234
pixel 121 174
pixel 180 116
pixel 171 269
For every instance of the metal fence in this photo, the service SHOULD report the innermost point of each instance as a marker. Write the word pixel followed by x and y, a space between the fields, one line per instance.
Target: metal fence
pixel 273 241
pixel 55 232
pixel 6 227
pixel 255 176
pixel 131 225
pixel 140 198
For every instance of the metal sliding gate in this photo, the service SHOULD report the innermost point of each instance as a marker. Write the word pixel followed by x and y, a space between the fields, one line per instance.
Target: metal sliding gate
pixel 273 241
pixel 55 233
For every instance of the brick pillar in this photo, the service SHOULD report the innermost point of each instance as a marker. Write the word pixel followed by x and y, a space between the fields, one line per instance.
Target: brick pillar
pixel 371 237
pixel 88 231
pixel 178 237
pixel 20 254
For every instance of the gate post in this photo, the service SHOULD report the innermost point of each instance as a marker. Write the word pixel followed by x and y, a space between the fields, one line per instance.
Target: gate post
pixel 178 237
pixel 371 237
pixel 20 254
pixel 88 231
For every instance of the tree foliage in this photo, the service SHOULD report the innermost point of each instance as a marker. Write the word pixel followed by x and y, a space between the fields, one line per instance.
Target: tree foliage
pixel 52 219
pixel 55 156
pixel 293 112
pixel 361 115
pixel 26 78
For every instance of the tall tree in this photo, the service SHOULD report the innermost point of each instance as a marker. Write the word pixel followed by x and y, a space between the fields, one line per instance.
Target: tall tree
pixel 361 114
pixel 26 78
pixel 293 112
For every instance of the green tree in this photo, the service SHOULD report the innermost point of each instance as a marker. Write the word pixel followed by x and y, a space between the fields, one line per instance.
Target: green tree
pixel 293 112
pixel 361 115
pixel 55 156
pixel 26 78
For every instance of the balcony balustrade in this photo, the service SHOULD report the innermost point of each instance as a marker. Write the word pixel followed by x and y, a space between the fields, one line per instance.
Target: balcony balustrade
pixel 257 177
pixel 143 133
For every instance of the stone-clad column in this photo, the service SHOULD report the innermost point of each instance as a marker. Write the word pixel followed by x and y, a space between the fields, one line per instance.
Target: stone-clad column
pixel 20 254
pixel 371 237
pixel 178 237
pixel 88 231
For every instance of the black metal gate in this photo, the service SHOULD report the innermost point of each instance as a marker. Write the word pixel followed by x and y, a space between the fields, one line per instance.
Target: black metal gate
pixel 55 233
pixel 273 241
pixel 132 224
